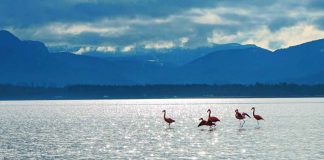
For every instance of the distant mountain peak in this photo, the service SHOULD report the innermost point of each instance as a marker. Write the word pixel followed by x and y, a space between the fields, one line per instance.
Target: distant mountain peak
pixel 11 43
pixel 7 38
pixel 5 32
pixel 311 48
pixel 314 44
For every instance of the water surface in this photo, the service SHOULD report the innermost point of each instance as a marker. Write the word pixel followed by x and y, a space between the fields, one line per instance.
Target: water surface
pixel 134 129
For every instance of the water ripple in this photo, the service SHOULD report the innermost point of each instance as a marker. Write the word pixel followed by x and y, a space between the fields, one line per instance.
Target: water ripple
pixel 134 129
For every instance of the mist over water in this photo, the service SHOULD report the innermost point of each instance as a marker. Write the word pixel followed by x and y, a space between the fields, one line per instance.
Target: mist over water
pixel 119 129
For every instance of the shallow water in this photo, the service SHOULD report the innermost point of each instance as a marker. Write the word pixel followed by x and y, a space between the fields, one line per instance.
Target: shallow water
pixel 134 129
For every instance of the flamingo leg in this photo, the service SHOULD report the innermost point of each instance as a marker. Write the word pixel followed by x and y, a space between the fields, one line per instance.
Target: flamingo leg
pixel 169 125
pixel 258 122
pixel 243 123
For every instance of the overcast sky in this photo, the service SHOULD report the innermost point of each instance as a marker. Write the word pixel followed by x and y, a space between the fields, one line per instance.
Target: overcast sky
pixel 125 24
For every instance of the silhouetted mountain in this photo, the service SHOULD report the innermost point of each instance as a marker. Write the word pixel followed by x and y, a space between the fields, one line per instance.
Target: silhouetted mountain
pixel 302 60
pixel 228 66
pixel 317 78
pixel 30 63
pixel 8 40
pixel 253 65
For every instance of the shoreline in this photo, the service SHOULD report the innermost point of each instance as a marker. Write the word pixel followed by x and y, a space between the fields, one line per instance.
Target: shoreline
pixel 193 91
pixel 141 98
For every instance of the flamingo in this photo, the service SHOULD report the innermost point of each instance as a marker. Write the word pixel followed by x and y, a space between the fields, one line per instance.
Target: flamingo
pixel 257 117
pixel 212 119
pixel 206 123
pixel 168 120
pixel 241 116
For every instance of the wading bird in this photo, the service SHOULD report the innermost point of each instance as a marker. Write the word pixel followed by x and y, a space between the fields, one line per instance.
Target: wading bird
pixel 212 119
pixel 206 123
pixel 168 120
pixel 257 117
pixel 241 116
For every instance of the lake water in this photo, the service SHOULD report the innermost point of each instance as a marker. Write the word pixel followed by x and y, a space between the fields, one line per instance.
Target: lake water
pixel 134 129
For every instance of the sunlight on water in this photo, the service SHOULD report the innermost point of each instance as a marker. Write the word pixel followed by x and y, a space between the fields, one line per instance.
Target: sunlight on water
pixel 102 129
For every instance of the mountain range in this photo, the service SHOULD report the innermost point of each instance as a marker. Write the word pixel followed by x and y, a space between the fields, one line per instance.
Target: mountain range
pixel 27 62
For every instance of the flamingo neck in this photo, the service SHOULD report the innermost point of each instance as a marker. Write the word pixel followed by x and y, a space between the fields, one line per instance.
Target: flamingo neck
pixel 253 112
pixel 209 114
pixel 164 115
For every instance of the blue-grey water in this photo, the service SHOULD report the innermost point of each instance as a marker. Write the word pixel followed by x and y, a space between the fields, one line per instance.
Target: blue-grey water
pixel 134 129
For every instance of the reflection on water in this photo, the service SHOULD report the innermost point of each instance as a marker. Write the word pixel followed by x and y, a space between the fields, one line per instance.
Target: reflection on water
pixel 135 129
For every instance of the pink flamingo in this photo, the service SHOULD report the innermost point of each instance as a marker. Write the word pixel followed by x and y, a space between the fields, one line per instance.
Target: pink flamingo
pixel 206 123
pixel 168 120
pixel 241 116
pixel 212 119
pixel 257 117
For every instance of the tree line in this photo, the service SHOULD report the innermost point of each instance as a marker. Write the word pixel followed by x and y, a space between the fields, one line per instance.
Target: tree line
pixel 8 92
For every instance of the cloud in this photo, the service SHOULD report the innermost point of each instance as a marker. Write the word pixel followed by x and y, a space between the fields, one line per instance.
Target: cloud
pixel 76 29
pixel 183 41
pixel 221 38
pixel 128 48
pixel 297 34
pixel 159 45
pixel 36 12
pixel 157 24
pixel 103 49
pixel 106 49
pixel 264 37
pixel 83 50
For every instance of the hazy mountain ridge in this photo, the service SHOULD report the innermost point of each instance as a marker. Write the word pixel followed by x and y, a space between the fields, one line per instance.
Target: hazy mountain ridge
pixel 172 56
pixel 30 62
pixel 259 65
